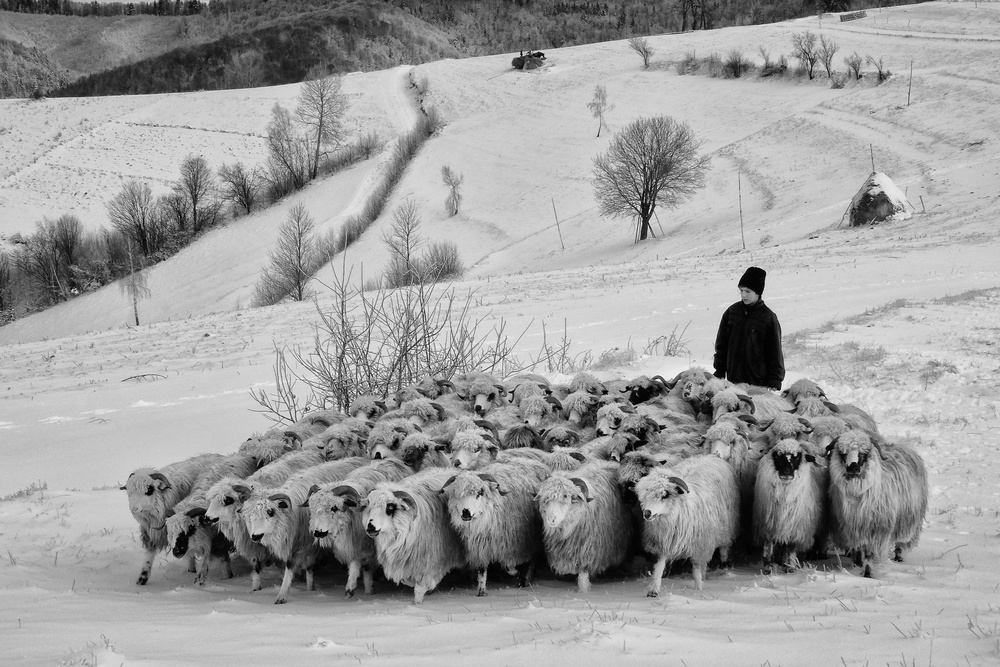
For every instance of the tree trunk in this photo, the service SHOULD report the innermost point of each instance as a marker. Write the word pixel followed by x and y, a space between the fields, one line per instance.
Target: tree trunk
pixel 644 216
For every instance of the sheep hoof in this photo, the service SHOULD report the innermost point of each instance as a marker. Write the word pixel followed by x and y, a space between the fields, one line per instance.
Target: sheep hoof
pixel 349 593
pixel 652 594
pixel 868 572
pixel 481 593
pixel 143 578
pixel 280 601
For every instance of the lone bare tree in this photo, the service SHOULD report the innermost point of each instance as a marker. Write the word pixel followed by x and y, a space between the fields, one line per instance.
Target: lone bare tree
pixel 403 240
pixel 292 261
pixel 287 152
pixel 132 212
pixel 827 50
pixel 652 161
pixel 197 188
pixel 134 285
pixel 641 46
pixel 321 108
pixel 599 106
pixel 240 186
pixel 804 48
pixel 453 182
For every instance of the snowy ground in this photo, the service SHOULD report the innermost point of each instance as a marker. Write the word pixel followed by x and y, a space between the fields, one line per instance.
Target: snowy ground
pixel 86 400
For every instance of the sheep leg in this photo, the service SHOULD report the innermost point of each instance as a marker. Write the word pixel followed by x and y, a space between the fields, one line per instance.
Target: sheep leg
pixel 698 570
pixel 201 571
pixel 309 578
pixel 767 556
pixel 481 582
pixel 147 567
pixel 286 584
pixel 867 558
pixel 525 573
pixel 353 573
pixel 897 555
pixel 368 577
pixel 656 578
pixel 583 581
pixel 227 567
pixel 258 565
pixel 792 559
pixel 419 590
pixel 192 563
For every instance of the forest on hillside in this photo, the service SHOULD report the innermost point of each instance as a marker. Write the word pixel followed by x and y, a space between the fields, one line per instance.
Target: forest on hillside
pixel 257 43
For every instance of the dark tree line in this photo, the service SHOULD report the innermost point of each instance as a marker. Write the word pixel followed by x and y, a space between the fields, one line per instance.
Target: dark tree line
pixel 73 8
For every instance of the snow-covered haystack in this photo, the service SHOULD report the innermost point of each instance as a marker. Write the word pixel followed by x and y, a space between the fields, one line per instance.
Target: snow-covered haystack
pixel 878 199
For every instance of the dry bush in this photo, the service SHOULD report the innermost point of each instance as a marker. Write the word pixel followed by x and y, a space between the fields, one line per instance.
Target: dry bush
pixel 879 65
pixel 714 66
pixel 688 64
pixel 736 65
pixel 641 46
pixel 854 62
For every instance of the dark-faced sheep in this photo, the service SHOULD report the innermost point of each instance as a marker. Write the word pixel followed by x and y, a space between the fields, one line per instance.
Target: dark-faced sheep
pixel 348 437
pixel 493 511
pixel 420 451
pixel 586 526
pixel 691 510
pixel 789 504
pixel 878 497
pixel 151 492
pixel 414 541
pixel 387 435
pixel 335 518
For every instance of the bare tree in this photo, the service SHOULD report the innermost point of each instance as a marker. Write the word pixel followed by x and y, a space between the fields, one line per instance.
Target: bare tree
pixel 134 285
pixel 292 261
pixel 854 62
pixel 240 186
pixel 196 186
pixel 652 161
pixel 599 106
pixel 321 108
pixel 641 46
pixel 827 50
pixel 288 153
pixel 403 240
pixel 879 65
pixel 244 70
pixel 132 212
pixel 453 182
pixel 804 48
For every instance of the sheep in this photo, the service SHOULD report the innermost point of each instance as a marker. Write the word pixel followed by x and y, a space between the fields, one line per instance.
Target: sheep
pixel 316 422
pixel 610 416
pixel 878 497
pixel 151 493
pixel 852 414
pixel 584 381
pixel 789 502
pixel 803 388
pixel 691 509
pixel 267 441
pixel 825 430
pixel 414 541
pixel 580 408
pixel 494 513
pixel 187 531
pixel 418 450
pixel 730 401
pixel 560 435
pixel 586 527
pixel 784 425
pixel 643 388
pixel 539 409
pixel 276 519
pixel 227 496
pixel 484 393
pixel 386 436
pixel 522 435
pixel 335 518
pixel 567 458
pixel 472 449
pixel 635 465
pixel 367 406
pixel 419 411
pixel 346 438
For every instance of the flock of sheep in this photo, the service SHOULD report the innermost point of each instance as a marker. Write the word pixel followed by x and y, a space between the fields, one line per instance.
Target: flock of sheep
pixel 475 472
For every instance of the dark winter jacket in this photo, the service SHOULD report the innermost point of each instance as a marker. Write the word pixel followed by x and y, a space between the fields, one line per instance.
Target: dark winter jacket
pixel 748 347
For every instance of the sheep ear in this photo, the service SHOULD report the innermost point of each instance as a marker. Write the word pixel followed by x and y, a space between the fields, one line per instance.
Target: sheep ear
pixel 810 458
pixel 554 401
pixel 491 480
pixel 169 513
pixel 164 482
pixel 122 488
pixel 579 456
pixel 583 487
pixel 682 486
pixel 195 511
pixel 832 407
pixel 407 499
pixel 493 450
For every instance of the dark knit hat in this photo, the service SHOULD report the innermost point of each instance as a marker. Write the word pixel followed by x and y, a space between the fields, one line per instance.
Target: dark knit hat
pixel 753 278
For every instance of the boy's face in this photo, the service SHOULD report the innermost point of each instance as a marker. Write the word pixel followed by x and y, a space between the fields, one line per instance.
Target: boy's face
pixel 748 296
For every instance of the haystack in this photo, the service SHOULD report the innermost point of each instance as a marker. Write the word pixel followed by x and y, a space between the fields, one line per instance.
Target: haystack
pixel 878 199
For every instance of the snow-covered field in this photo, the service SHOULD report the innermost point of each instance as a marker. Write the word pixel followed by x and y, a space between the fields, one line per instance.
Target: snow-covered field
pixel 902 319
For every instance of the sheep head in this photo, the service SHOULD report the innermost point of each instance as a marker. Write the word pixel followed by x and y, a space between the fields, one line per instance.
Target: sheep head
pixel 145 488
pixel 390 513
pixel 658 490
pixel 787 457
pixel 851 453
pixel 470 449
pixel 471 495
pixel 562 500
pixel 331 509
pixel 610 416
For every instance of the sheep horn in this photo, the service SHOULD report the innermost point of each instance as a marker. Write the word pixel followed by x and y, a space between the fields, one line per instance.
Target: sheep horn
pixel 439 409
pixel 554 401
pixel 406 498
pixel 321 420
pixel 445 383
pixel 489 426
pixel 766 425
pixel 244 491
pixel 574 437
pixel 502 390
pixel 312 489
pixel 450 480
pixel 749 419
pixel 749 401
pixel 169 513
pixel 832 407
pixel 295 437
pixel 667 384
pixel 195 511
pixel 807 425
pixel 349 494
pixel 681 484
pixel 490 479
pixel 582 485
pixel 159 476
pixel 281 498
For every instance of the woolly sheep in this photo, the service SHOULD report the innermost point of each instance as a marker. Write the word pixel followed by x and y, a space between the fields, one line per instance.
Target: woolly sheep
pixel 587 382
pixel 188 534
pixel 227 496
pixel 151 492
pixel 493 511
pixel 878 497
pixel 419 451
pixel 803 388
pixel 276 519
pixel 586 528
pixel 540 409
pixel 387 435
pixel 522 435
pixel 580 408
pixel 560 435
pixel 471 449
pixel 414 541
pixel 691 509
pixel 484 393
pixel 344 439
pixel 825 430
pixel 725 441
pixel 789 502
pixel 367 406
pixel 335 518
pixel 643 388
pixel 852 414
pixel 610 416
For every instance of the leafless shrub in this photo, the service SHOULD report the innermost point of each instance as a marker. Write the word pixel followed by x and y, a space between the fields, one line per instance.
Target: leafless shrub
pixel 714 66
pixel 453 182
pixel 879 65
pixel 240 186
pixel 827 50
pixel 293 261
pixel 735 64
pixel 854 62
pixel 804 48
pixel 688 64
pixel 599 106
